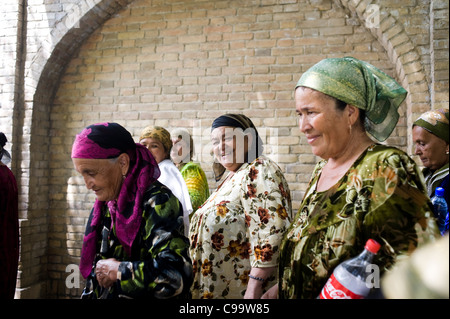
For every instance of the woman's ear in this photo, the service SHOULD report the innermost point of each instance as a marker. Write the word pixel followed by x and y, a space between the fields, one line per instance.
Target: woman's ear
pixel 124 163
pixel 353 114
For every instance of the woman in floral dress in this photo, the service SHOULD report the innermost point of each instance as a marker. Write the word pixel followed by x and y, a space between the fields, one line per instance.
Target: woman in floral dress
pixel 235 235
pixel 361 189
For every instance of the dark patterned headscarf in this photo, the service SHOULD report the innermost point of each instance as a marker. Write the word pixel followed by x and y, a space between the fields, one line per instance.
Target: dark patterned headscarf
pixel 109 140
pixel 243 122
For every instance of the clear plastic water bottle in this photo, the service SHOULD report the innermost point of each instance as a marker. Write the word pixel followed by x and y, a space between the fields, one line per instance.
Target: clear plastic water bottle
pixel 440 210
pixel 349 279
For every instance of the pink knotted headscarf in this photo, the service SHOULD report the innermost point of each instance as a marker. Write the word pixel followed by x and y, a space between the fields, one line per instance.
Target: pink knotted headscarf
pixel 109 140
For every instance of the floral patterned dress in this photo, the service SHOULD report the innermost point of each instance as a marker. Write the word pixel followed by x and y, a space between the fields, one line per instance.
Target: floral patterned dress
pixel 239 227
pixel 382 196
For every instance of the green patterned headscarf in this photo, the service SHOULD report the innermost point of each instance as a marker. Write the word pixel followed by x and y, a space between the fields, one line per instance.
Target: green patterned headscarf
pixel 360 84
pixel 435 122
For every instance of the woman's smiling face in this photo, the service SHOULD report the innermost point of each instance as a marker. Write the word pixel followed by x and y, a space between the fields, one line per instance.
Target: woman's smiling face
pixel 230 146
pixel 324 125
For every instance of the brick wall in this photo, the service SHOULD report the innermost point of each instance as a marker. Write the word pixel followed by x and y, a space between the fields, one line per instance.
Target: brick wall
pixel 181 64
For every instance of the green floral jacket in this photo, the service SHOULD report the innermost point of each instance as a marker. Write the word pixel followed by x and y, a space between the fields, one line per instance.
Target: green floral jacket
pixel 382 196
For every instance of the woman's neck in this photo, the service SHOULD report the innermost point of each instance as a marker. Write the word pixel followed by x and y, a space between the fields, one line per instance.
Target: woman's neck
pixel 231 174
pixel 355 147
pixel 337 167
pixel 180 165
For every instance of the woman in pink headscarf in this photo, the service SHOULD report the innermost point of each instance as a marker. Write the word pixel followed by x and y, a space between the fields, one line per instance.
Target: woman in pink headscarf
pixel 134 244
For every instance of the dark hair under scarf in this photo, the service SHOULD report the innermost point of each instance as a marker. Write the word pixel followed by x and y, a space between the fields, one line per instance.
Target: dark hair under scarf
pixel 243 122
pixel 109 140
pixel 4 155
pixel 3 139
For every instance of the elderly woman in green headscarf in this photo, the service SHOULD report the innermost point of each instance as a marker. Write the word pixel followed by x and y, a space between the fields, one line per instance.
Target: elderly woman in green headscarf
pixel 360 189
pixel 430 134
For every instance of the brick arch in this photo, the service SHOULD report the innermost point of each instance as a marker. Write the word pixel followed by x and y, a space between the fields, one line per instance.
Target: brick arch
pixel 41 80
pixel 81 21
pixel 401 52
pixel 65 39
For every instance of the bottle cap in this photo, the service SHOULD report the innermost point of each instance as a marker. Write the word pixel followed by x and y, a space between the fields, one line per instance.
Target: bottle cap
pixel 439 191
pixel 372 246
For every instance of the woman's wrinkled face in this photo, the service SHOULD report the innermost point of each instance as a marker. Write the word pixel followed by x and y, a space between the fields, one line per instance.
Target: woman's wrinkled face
pixel 326 128
pixel 230 147
pixel 430 148
pixel 103 176
pixel 156 148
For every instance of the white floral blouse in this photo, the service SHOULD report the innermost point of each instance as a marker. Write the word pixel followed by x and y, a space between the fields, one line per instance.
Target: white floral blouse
pixel 239 227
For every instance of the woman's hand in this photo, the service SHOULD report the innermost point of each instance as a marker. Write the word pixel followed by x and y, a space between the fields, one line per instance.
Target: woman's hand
pixel 254 287
pixel 272 293
pixel 106 272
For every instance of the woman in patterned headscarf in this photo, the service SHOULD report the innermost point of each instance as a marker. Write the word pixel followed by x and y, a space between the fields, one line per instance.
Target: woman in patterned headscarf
pixel 430 134
pixel 157 140
pixel 361 189
pixel 133 245
pixel 235 235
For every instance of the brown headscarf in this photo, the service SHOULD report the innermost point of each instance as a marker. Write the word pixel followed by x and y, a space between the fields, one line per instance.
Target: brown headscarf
pixel 158 133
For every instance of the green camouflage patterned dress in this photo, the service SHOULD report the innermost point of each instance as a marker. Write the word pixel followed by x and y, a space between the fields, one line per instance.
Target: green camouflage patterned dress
pixel 160 266
pixel 382 196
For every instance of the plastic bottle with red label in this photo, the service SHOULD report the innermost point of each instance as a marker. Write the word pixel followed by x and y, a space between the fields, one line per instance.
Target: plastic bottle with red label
pixel 349 279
